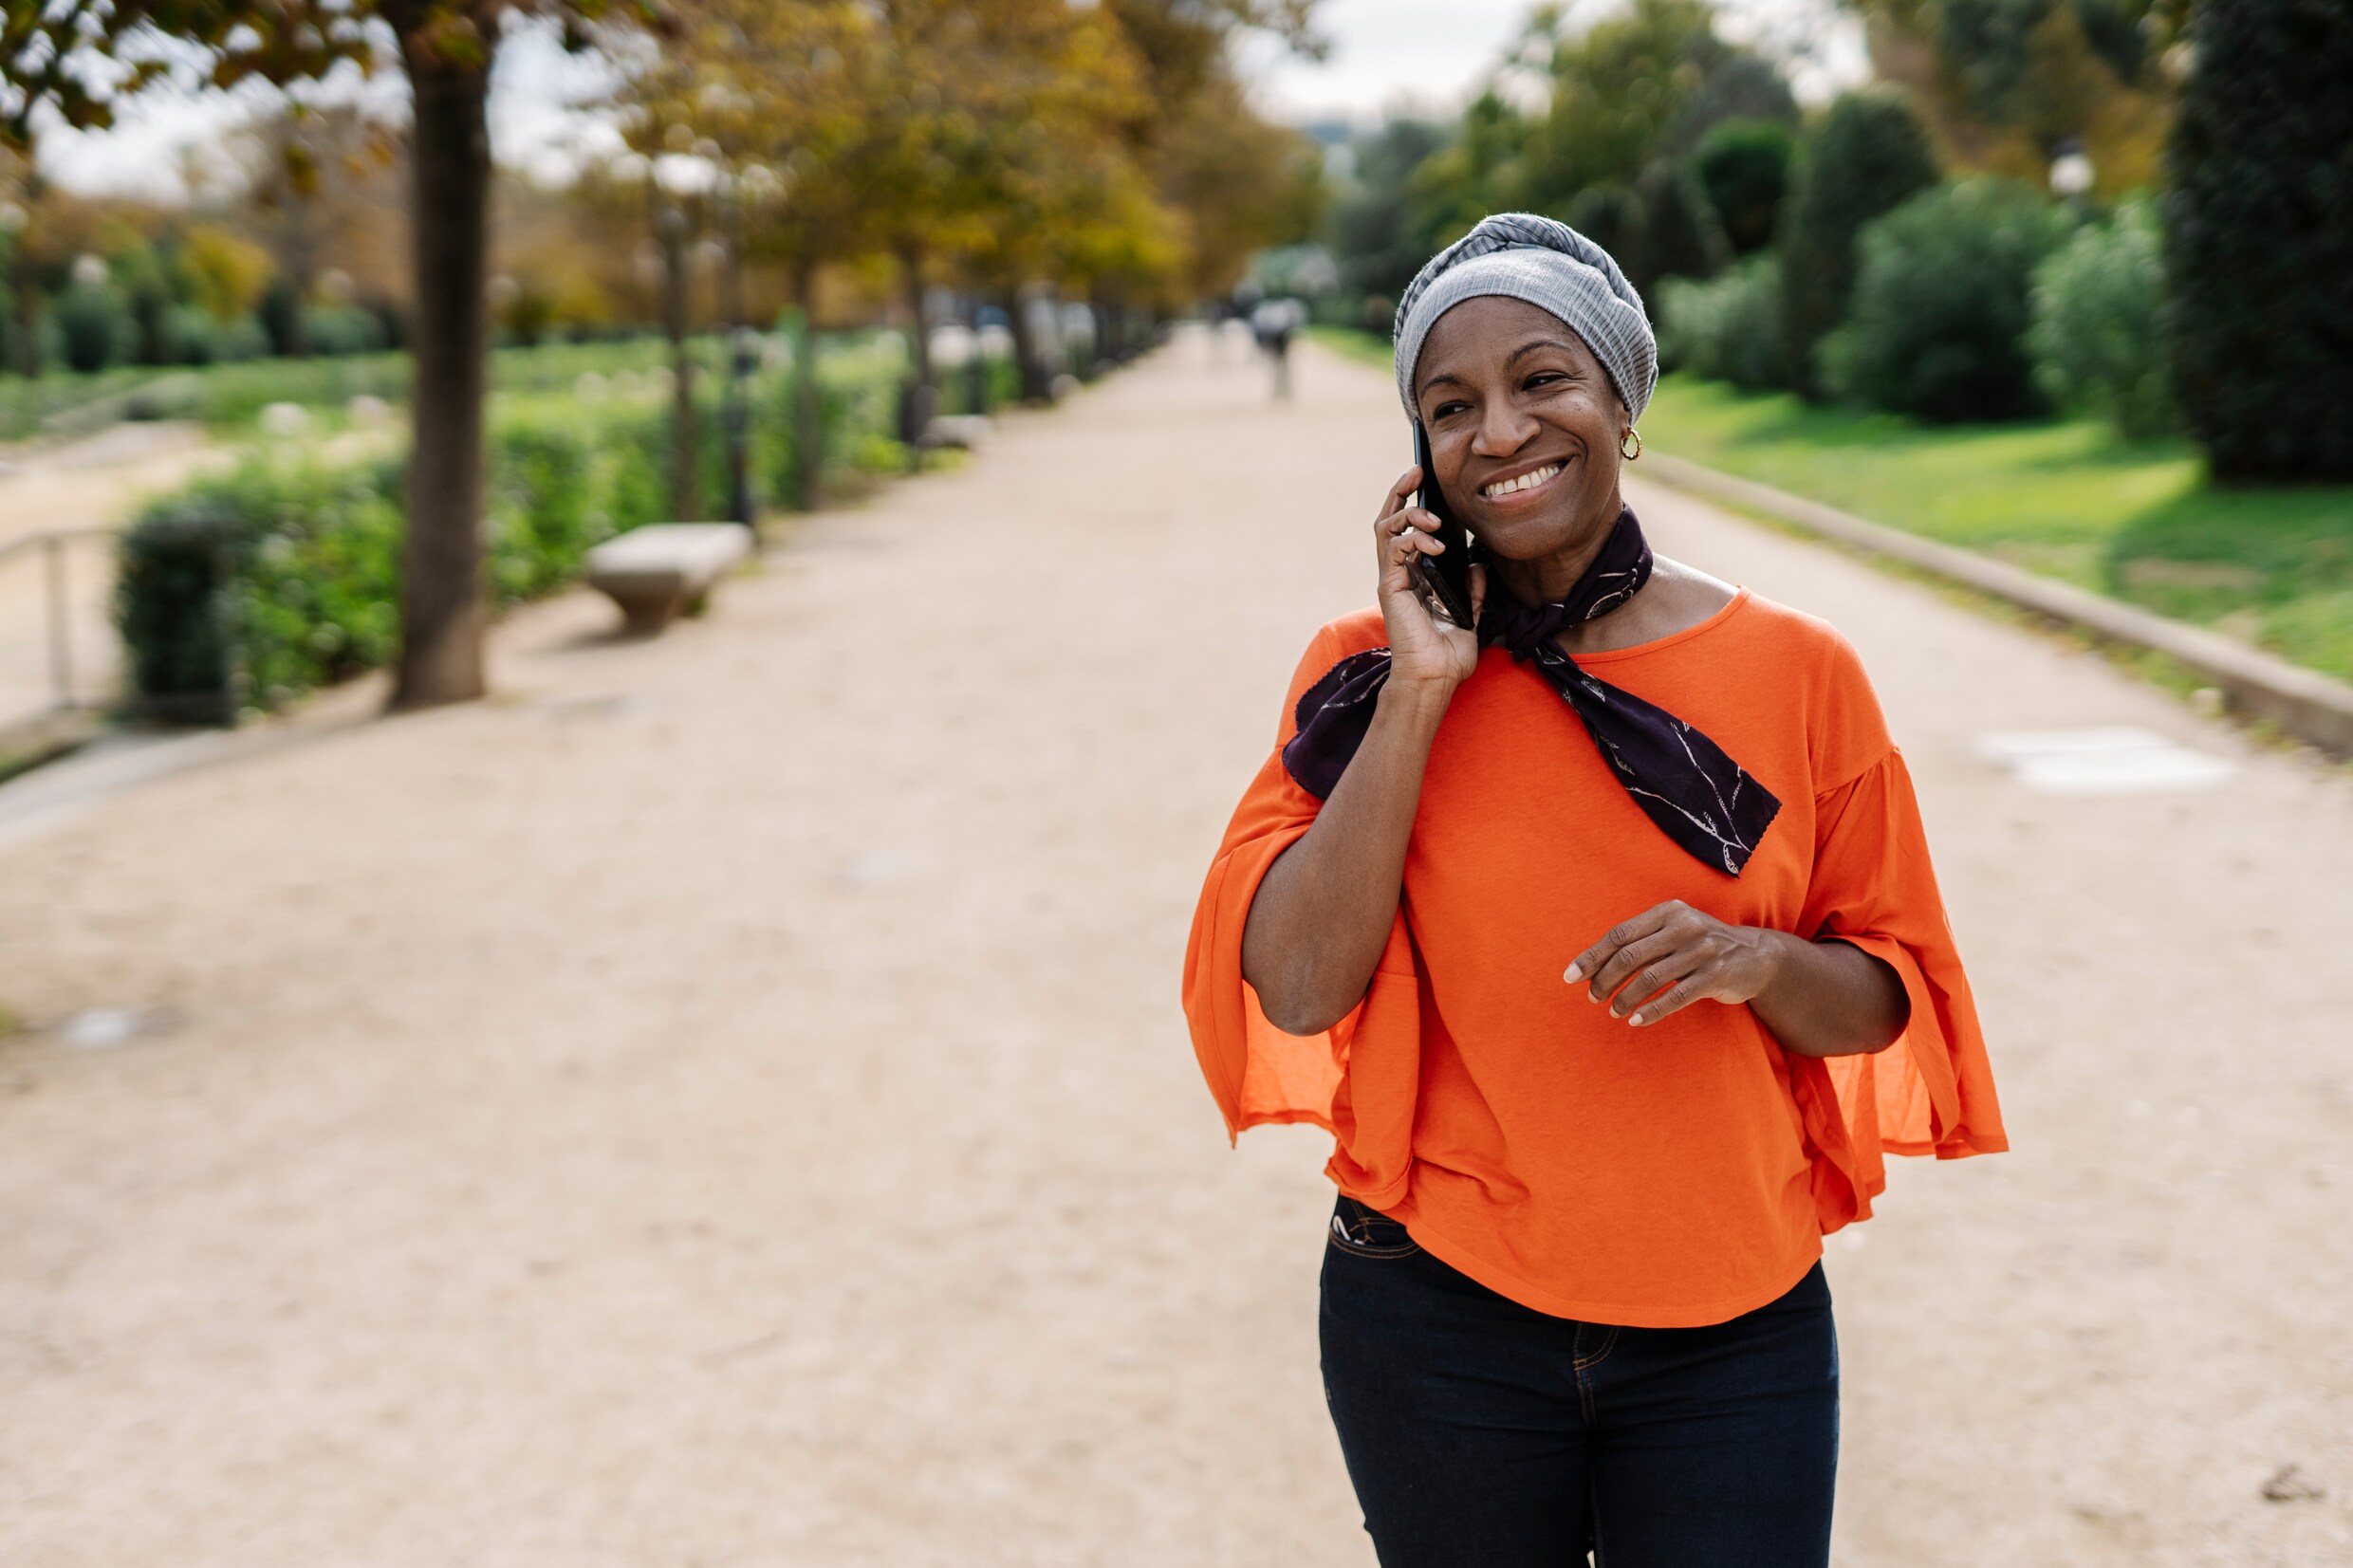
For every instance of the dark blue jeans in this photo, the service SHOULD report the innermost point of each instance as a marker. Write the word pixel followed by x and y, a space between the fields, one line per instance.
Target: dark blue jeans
pixel 1481 1433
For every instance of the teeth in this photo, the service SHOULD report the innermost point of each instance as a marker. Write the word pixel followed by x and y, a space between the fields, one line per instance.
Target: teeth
pixel 1525 482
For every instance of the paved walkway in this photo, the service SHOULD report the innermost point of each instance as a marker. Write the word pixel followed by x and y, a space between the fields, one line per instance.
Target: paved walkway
pixel 723 1102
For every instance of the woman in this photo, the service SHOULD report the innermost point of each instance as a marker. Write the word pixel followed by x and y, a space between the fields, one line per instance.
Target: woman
pixel 1605 941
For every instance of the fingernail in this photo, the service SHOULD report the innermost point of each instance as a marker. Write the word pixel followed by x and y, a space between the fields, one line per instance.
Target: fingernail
pixel 1571 975
pixel 1635 1018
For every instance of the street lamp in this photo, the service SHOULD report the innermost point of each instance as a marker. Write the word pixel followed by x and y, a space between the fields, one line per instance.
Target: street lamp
pixel 2071 173
pixel 741 190
pixel 674 176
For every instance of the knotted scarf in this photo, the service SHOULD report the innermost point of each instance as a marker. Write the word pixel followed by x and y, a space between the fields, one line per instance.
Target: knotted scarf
pixel 1683 782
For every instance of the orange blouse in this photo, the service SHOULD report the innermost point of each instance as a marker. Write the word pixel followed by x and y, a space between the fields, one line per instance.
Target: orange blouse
pixel 1680 1173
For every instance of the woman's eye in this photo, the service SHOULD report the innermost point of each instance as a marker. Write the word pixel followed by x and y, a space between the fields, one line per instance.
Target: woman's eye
pixel 1544 378
pixel 1444 409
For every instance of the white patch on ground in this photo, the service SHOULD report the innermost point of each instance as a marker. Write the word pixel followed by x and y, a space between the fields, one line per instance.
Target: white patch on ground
pixel 2110 760
pixel 103 1028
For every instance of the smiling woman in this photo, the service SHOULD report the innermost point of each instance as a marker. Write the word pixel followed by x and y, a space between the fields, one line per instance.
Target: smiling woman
pixel 1572 1293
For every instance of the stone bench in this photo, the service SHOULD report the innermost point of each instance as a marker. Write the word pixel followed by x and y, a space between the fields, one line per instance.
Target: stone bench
pixel 963 431
pixel 658 571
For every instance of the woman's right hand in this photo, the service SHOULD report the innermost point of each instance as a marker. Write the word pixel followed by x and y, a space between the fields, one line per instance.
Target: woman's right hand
pixel 1424 647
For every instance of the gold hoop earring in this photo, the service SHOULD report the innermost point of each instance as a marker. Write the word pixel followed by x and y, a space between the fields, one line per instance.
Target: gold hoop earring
pixel 1633 436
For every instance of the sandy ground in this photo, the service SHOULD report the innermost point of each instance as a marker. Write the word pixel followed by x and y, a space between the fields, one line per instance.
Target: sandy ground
pixel 94 482
pixel 723 1102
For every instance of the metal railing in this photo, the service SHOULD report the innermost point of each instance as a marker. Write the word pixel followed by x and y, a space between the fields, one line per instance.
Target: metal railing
pixel 51 543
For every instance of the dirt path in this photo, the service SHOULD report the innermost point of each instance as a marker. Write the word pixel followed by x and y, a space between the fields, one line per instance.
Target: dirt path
pixel 723 1102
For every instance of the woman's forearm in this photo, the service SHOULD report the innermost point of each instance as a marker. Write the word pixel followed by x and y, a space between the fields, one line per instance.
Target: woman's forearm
pixel 1322 915
pixel 1830 998
pixel 1827 998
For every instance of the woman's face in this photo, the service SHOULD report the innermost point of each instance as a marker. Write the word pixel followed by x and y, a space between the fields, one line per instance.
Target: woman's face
pixel 1523 427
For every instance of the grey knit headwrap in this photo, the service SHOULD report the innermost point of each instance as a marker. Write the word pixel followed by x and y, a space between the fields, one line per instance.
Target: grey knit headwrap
pixel 1551 267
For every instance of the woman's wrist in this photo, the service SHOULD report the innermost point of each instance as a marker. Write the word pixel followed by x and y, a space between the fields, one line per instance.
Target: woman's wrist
pixel 1778 953
pixel 1420 699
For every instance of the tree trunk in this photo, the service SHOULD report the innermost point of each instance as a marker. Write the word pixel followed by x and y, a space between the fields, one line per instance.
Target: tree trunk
pixel 27 325
pixel 735 338
pixel 685 494
pixel 808 423
pixel 443 610
pixel 911 269
pixel 1024 347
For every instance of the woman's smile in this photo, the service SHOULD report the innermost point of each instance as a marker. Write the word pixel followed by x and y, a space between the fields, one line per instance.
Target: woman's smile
pixel 1524 487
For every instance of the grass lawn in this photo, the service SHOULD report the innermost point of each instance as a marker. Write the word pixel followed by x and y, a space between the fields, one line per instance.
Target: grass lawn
pixel 2069 499
pixel 2273 567
pixel 1355 343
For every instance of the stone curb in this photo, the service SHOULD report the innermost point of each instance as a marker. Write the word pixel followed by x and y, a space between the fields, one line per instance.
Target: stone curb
pixel 2304 703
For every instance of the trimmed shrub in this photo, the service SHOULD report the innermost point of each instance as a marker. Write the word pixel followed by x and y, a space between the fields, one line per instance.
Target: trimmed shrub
pixel 1681 237
pixel 1611 217
pixel 281 315
pixel 1941 305
pixel 1866 156
pixel 1727 329
pixel 94 330
pixel 2259 238
pixel 2095 339
pixel 1743 165
pixel 244 591
pixel 341 329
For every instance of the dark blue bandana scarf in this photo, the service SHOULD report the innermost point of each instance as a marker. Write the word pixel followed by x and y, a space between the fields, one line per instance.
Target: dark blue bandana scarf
pixel 1683 782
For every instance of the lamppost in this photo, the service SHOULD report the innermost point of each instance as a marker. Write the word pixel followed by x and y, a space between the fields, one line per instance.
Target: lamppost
pixel 740 191
pixel 2071 173
pixel 677 176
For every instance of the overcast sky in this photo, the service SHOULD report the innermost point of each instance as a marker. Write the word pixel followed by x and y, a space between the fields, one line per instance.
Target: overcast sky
pixel 1428 54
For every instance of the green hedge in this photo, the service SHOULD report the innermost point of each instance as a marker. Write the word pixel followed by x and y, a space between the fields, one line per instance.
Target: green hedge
pixel 1867 154
pixel 244 591
pixel 1727 329
pixel 2259 238
pixel 2096 339
pixel 1942 303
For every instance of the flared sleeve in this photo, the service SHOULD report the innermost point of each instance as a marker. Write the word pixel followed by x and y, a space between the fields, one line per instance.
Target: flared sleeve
pixel 1932 1091
pixel 1257 1073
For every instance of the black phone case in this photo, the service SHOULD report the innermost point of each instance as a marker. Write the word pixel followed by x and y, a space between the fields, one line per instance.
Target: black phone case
pixel 1446 578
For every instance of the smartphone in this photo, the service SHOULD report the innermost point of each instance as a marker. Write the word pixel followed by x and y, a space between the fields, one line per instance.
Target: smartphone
pixel 1445 579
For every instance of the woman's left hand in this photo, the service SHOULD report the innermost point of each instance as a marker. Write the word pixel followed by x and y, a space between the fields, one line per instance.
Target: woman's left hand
pixel 1673 948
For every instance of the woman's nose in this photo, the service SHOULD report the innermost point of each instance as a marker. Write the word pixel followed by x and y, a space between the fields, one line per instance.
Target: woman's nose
pixel 1502 432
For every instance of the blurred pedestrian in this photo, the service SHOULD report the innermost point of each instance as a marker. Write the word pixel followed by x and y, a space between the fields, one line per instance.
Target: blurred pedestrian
pixel 1272 323
pixel 1587 930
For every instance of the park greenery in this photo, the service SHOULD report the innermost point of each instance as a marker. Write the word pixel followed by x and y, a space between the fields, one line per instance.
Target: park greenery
pixel 244 591
pixel 1019 152
pixel 2096 248
pixel 2065 282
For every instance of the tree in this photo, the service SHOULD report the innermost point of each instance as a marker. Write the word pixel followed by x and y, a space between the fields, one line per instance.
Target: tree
pixel 1237 182
pixel 1683 237
pixel 1481 170
pixel 309 167
pixel 1942 302
pixel 2006 84
pixel 1615 89
pixel 1866 154
pixel 2259 239
pixel 1743 166
pixel 1375 231
pixel 80 58
pixel 762 90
